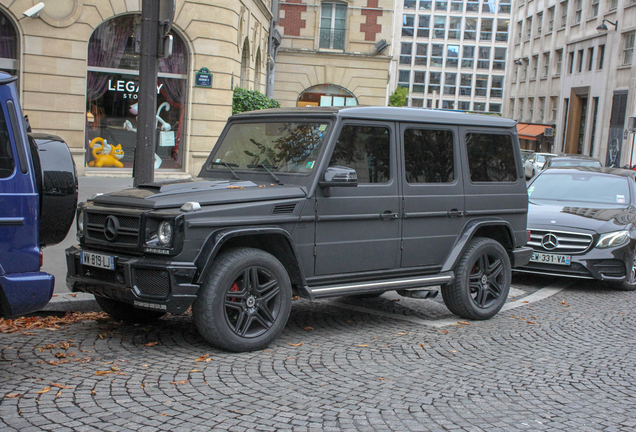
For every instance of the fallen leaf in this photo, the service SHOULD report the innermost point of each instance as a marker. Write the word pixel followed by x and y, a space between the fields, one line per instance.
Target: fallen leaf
pixel 402 334
pixel 295 345
pixel 382 379
pixel 119 373
pixel 115 369
pixel 180 382
pixel 12 395
pixel 195 370
pixel 531 322
pixel 102 372
pixel 525 301
pixel 73 295
pixel 453 351
pixel 44 390
pixel 202 358
pixel 363 345
pixel 151 344
pixel 208 359
pixel 163 413
pixel 308 328
pixel 294 298
pixel 53 363
pixel 60 355
pixel 58 394
pixel 62 386
pixel 512 316
pixel 443 331
pixel 463 322
pixel 93 392
pixel 65 345
pixel 564 303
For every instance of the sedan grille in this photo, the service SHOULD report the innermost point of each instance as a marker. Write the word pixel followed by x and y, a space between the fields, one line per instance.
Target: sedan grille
pixel 559 241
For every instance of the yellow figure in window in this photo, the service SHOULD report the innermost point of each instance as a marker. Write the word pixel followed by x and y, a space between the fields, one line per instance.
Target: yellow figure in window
pixel 109 155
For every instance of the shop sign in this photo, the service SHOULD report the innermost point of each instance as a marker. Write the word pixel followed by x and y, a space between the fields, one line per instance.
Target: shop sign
pixel 130 88
pixel 203 78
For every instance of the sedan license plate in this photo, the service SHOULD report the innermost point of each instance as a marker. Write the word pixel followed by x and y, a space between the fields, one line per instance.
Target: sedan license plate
pixel 98 260
pixel 545 258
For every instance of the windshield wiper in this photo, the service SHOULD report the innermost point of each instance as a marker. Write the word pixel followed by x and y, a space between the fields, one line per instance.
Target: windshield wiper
pixel 228 166
pixel 268 170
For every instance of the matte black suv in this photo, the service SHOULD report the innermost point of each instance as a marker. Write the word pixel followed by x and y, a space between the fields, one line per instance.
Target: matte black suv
pixel 318 203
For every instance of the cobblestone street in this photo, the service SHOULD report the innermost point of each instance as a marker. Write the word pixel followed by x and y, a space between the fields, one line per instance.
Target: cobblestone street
pixel 561 356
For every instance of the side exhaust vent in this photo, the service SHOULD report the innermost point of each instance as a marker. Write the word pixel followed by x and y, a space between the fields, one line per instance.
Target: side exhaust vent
pixel 284 209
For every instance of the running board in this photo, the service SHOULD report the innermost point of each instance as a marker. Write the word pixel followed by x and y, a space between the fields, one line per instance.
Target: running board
pixel 380 286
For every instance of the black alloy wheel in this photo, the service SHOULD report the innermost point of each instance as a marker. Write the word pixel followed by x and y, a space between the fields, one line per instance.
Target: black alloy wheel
pixel 482 281
pixel 629 284
pixel 245 300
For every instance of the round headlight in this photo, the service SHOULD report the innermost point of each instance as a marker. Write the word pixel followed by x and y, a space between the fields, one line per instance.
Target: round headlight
pixel 164 233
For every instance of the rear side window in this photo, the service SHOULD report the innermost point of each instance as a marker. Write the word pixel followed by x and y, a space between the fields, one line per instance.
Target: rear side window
pixel 365 149
pixel 428 156
pixel 491 158
pixel 7 163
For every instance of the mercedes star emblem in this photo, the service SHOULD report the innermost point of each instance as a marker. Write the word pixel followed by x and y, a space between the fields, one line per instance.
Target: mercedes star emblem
pixel 111 228
pixel 549 241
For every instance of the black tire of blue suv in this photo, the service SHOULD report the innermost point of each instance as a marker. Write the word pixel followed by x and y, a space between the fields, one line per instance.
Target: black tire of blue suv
pixel 244 302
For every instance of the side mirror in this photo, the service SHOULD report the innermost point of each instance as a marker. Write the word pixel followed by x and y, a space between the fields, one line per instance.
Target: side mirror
pixel 338 176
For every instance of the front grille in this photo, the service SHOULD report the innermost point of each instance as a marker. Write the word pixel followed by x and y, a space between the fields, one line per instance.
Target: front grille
pixel 153 283
pixel 284 208
pixel 128 233
pixel 562 242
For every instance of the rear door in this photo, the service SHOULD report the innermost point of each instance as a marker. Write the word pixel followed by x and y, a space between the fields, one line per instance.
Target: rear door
pixel 433 193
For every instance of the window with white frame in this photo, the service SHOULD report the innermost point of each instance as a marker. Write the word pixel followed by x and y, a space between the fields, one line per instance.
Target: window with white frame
pixel 628 48
pixel 452 56
pixel 468 57
pixel 333 25
pixel 558 60
pixel 612 4
pixel 455 28
pixel 590 58
pixel 554 107
pixel 564 14
pixel 541 108
pixel 421 54
pixel 439 27
pixel 450 84
pixel 408 22
pixel 504 6
pixel 406 52
pixel 539 23
pixel 601 56
pixel 481 85
pixel 535 66
pixel 578 11
pixel 484 58
pixel 404 78
pixel 472 6
pixel 410 4
pixel 457 6
pixel 465 84
pixel 524 71
pixel 546 64
pixel 530 108
pixel 519 31
pixel 441 5
pixel 426 5
pixel 528 28
pixel 521 101
pixel 419 81
pixel 423 26
pixel 499 63
pixel 494 107
pixel 511 114
pixel 437 55
pixel 434 81
pixel 464 105
pixel 502 30
pixel 470 29
pixel 496 86
pixel 550 19
pixel 485 33
pixel 479 107
pixel 594 8
pixel 488 6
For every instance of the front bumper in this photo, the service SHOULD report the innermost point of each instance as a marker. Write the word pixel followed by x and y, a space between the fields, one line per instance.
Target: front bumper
pixel 146 283
pixel 612 264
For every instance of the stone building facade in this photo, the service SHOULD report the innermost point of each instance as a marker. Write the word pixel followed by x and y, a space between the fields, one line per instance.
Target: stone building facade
pixel 328 54
pixel 572 66
pixel 77 64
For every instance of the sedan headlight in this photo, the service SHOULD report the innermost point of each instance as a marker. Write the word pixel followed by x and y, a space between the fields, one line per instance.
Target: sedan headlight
pixel 613 239
pixel 164 233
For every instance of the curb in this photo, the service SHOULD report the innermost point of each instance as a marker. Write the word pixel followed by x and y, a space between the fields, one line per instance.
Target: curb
pixel 78 302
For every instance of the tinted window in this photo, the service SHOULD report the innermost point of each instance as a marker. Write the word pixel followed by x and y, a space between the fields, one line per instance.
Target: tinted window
pixel 428 156
pixel 491 158
pixel 7 163
pixel 365 149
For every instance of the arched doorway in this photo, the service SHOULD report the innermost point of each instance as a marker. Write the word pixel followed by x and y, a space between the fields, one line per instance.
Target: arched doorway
pixel 112 94
pixel 257 71
pixel 245 62
pixel 326 95
pixel 8 45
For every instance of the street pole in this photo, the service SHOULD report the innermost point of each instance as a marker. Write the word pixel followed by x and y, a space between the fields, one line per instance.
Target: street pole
pixel 146 124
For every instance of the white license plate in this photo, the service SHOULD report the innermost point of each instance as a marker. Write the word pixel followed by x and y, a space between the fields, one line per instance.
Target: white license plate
pixel 550 258
pixel 98 260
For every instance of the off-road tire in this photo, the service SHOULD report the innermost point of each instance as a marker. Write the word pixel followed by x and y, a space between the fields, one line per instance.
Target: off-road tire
pixel 482 281
pixel 234 313
pixel 121 311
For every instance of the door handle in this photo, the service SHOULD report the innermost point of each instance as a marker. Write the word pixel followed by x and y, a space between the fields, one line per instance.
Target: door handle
pixel 455 213
pixel 388 215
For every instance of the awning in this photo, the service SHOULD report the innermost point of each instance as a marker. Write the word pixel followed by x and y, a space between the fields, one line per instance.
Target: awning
pixel 530 131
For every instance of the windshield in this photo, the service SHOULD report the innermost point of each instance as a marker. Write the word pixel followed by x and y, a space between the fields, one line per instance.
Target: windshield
pixel 580 187
pixel 291 147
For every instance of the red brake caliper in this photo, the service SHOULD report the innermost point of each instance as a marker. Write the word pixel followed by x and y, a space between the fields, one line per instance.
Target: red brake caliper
pixel 234 288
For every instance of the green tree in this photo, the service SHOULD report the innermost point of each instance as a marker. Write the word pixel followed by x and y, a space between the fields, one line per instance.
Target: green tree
pixel 399 97
pixel 251 100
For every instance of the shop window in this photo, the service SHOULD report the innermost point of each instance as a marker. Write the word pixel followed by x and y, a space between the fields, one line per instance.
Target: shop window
pixel 328 95
pixel 112 96
pixel 8 46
